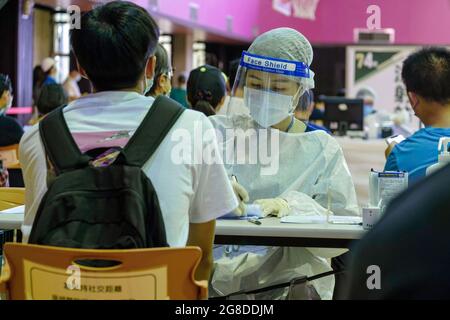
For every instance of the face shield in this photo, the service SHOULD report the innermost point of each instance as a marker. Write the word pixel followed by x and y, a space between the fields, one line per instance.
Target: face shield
pixel 268 89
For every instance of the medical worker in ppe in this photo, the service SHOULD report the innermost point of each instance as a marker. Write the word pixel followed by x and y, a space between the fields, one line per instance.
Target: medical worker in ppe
pixel 305 175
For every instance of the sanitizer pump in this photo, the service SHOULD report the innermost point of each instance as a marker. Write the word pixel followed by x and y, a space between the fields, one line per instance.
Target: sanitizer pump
pixel 443 158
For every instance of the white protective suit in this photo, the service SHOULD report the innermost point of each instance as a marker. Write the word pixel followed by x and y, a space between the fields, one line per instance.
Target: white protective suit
pixel 312 169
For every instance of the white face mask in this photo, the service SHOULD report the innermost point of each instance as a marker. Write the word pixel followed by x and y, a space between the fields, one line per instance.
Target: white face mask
pixel 268 108
pixel 148 85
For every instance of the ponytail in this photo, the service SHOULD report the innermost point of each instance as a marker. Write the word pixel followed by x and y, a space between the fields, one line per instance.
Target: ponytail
pixel 205 107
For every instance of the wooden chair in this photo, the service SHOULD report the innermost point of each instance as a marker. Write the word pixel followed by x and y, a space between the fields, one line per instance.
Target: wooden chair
pixel 34 272
pixel 10 156
pixel 11 197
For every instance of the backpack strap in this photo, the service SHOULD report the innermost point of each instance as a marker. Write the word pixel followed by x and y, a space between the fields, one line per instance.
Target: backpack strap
pixel 61 149
pixel 157 123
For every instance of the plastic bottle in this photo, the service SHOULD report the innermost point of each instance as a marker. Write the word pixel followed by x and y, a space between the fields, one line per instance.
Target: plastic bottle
pixel 443 158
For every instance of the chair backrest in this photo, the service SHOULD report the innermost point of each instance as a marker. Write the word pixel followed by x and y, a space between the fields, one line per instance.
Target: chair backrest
pixel 46 273
pixel 11 197
pixel 10 156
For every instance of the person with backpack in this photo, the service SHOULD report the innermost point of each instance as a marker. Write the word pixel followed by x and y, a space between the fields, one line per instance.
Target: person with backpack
pixel 101 172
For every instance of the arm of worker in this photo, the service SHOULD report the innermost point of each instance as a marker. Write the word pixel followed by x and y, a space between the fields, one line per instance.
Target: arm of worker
pixel 334 191
pixel 202 235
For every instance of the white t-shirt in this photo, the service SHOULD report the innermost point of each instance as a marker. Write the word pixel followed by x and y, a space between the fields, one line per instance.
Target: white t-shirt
pixel 71 87
pixel 188 192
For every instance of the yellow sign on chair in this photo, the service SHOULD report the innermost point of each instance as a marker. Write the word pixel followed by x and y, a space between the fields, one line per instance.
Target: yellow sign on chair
pixel 9 155
pixel 47 283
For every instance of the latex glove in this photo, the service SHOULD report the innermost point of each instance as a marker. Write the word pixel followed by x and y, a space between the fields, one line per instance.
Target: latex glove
pixel 242 196
pixel 277 207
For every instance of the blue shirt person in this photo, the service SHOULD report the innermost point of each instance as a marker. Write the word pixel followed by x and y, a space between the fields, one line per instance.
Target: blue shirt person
pixel 426 75
pixel 415 154
pixel 48 65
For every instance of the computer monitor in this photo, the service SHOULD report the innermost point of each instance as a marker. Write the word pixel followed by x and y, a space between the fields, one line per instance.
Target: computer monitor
pixel 342 114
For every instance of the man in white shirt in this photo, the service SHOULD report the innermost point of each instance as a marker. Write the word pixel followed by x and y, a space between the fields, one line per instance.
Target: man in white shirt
pixel 120 64
pixel 71 85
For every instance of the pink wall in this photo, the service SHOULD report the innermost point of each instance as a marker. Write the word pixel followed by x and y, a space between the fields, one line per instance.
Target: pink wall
pixel 415 21
pixel 212 15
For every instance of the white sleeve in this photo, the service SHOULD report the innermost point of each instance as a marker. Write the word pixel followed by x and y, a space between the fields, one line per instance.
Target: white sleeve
pixel 334 189
pixel 34 169
pixel 214 196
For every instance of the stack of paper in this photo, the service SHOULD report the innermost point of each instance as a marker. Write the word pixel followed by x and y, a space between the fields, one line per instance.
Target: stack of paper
pixel 15 210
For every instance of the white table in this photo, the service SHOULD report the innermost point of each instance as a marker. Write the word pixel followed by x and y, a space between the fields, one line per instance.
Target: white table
pixel 272 232
pixel 11 221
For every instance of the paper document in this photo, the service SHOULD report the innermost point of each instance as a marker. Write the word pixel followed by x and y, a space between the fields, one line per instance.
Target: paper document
pixel 15 210
pixel 322 219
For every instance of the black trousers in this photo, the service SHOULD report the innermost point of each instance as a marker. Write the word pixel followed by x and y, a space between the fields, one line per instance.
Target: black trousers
pixel 341 279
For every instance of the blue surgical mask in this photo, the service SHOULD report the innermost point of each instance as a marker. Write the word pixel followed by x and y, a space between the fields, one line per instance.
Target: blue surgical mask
pixel 368 109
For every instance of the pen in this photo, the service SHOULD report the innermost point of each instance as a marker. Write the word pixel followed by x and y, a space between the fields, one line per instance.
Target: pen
pixel 233 177
pixel 254 221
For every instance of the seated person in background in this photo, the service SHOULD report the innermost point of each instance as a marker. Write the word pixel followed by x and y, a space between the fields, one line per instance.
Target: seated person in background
pixel 179 94
pixel 115 49
pixel 426 75
pixel 10 130
pixel 163 74
pixel 304 109
pixel 206 89
pixel 71 85
pixel 368 96
pixel 48 65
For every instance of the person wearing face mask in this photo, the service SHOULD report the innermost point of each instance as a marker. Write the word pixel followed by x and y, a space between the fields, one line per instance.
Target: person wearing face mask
pixel 206 90
pixel 71 85
pixel 115 50
pixel 310 174
pixel 163 74
pixel 368 96
pixel 10 130
pixel 426 75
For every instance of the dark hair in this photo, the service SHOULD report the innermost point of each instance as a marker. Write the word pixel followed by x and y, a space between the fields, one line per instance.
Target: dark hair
pixel 38 76
pixel 114 43
pixel 234 66
pixel 51 97
pixel 205 89
pixel 162 66
pixel 181 79
pixel 5 84
pixel 305 101
pixel 427 73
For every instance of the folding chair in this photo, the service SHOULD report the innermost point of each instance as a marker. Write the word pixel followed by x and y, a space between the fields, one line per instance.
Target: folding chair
pixel 34 272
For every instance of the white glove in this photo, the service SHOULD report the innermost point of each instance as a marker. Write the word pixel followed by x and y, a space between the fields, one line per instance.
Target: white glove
pixel 277 207
pixel 242 196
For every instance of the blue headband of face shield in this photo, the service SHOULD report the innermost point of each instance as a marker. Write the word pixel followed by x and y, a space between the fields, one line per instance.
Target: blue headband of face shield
pixel 274 65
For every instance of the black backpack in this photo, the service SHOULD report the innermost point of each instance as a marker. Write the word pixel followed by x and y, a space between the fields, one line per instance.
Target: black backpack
pixel 113 207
